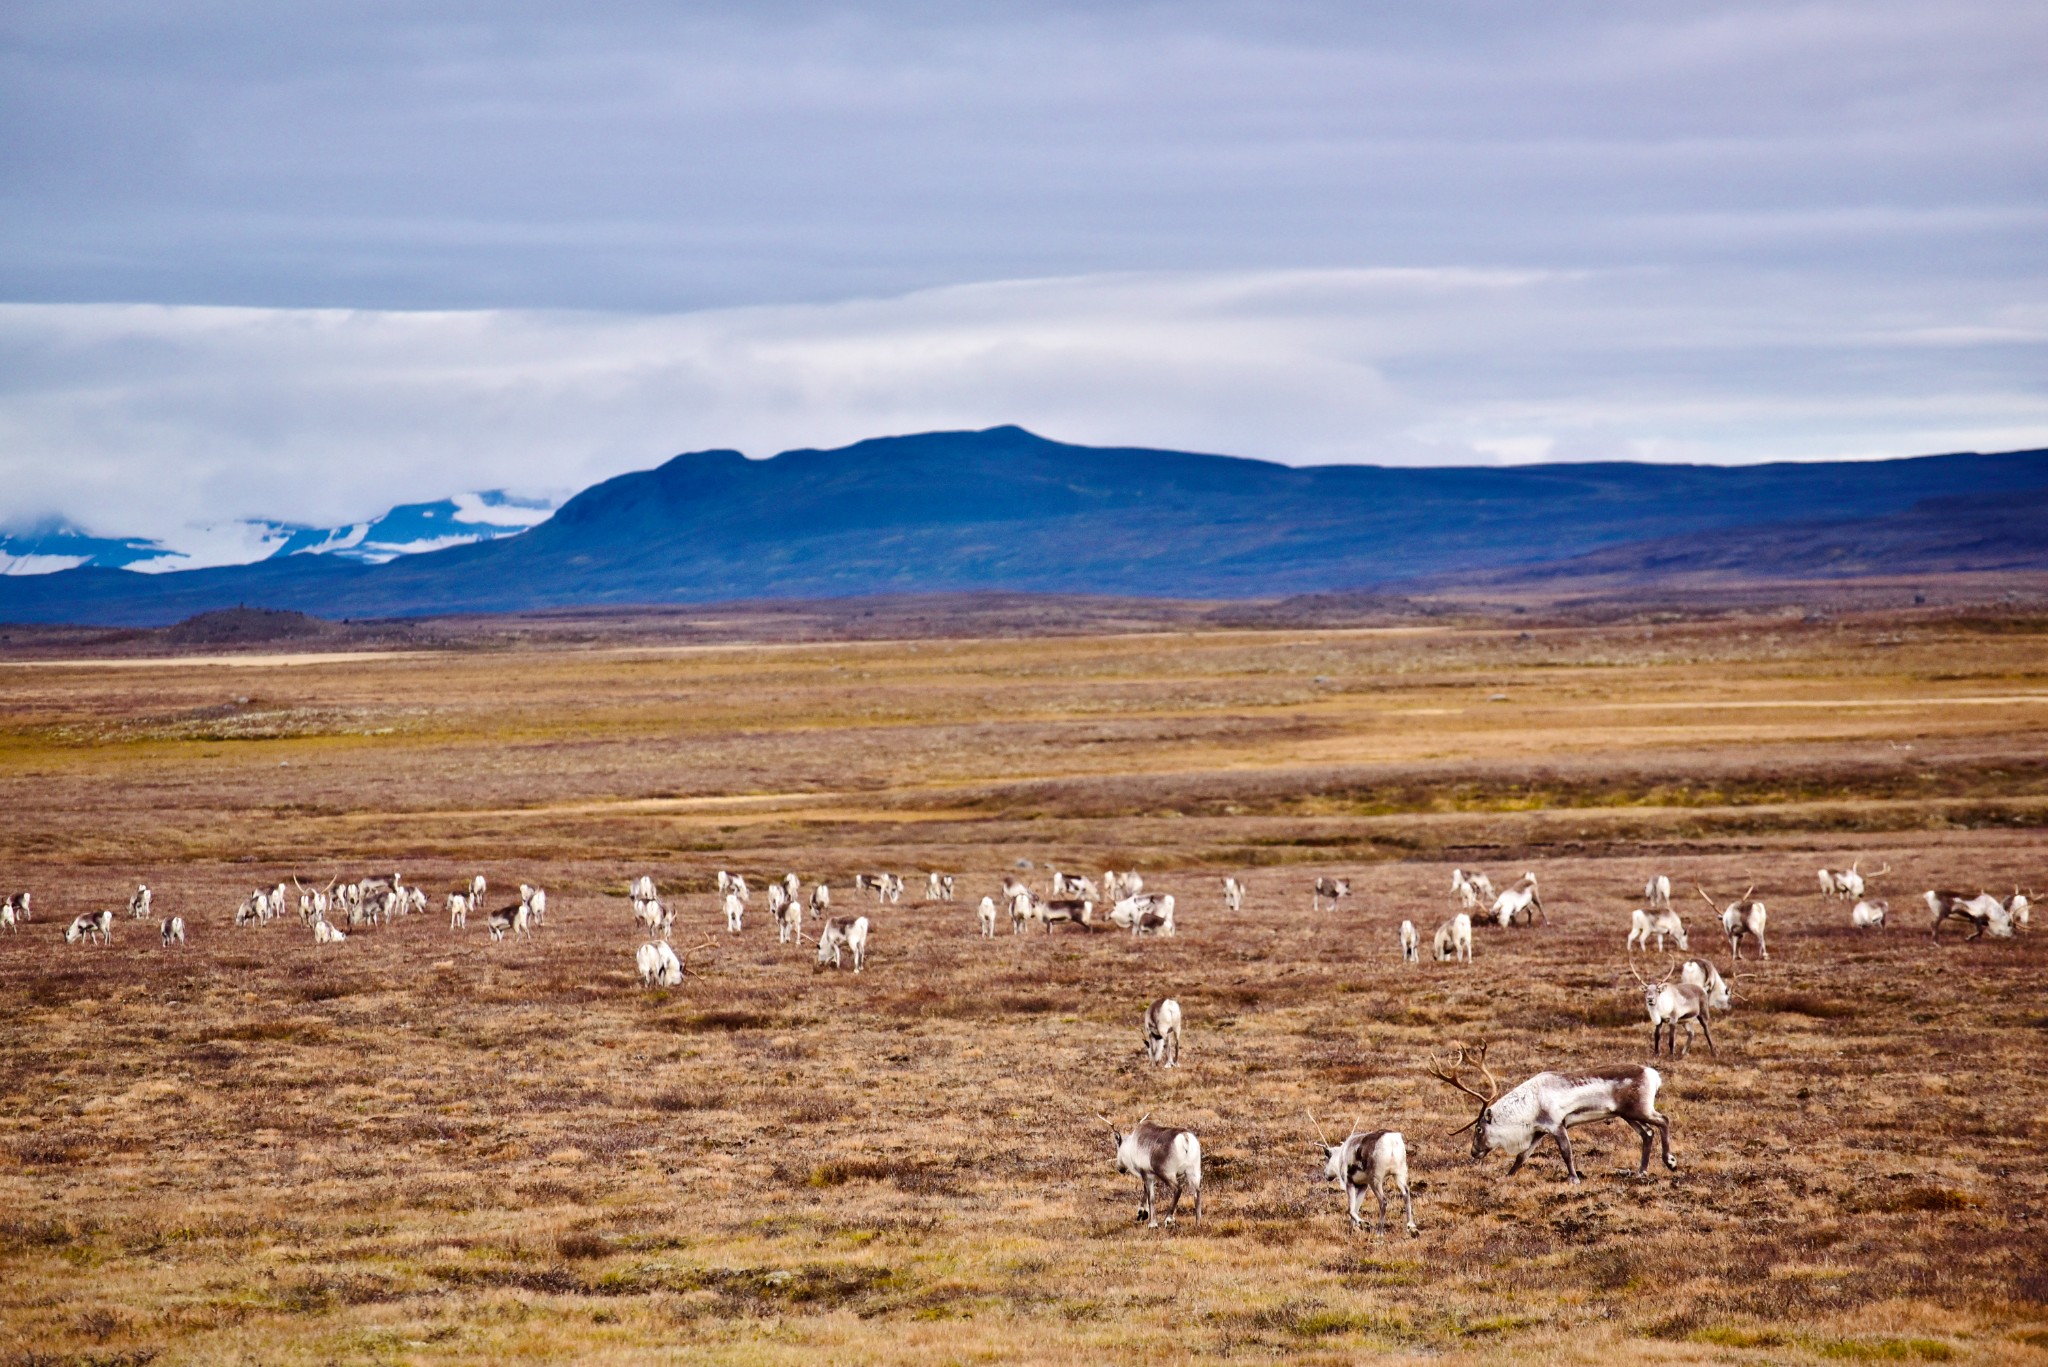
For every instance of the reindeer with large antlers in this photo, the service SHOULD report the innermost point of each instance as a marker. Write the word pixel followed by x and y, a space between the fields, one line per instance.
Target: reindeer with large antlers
pixel 1672 1004
pixel 1550 1103
pixel 1739 918
pixel 1368 1162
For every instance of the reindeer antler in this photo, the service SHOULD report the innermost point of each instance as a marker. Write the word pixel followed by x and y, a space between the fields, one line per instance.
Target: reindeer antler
pixel 1441 1073
pixel 1322 1138
pixel 1711 903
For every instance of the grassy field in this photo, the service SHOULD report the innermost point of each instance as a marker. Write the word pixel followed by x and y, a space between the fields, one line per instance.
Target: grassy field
pixel 420 1146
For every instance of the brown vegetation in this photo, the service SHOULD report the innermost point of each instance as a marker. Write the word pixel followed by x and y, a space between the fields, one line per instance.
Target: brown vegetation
pixel 424 1147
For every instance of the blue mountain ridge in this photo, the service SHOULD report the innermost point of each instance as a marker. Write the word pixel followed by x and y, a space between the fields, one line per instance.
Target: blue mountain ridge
pixel 1004 509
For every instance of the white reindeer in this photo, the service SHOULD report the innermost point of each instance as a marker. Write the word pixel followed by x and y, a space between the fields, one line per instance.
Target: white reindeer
pixel 643 890
pixel 1549 1103
pixel 324 934
pixel 1702 974
pixel 477 888
pixel 1519 899
pixel 8 921
pixel 735 912
pixel 933 889
pixel 535 900
pixel 1023 910
pixel 2018 908
pixel 1643 926
pixel 1158 920
pixel 516 920
pixel 1869 912
pixel 840 934
pixel 1335 889
pixel 1657 892
pixel 987 916
pixel 821 901
pixel 138 903
pixel 172 930
pixel 1373 1162
pixel 1453 940
pixel 1983 911
pixel 1828 886
pixel 97 926
pixel 1156 1154
pixel 1670 1005
pixel 789 919
pixel 1742 917
pixel 19 904
pixel 658 964
pixel 1411 944
pixel 458 911
pixel 1162 1032
pixel 1466 889
pixel 1233 894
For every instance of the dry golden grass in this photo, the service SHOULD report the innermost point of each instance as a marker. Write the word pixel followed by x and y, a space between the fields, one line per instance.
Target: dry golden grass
pixel 423 1147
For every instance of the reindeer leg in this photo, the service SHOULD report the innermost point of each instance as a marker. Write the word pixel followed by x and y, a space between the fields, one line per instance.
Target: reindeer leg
pixel 1664 1136
pixel 1145 1210
pixel 1564 1149
pixel 1180 1184
pixel 1642 1132
pixel 1408 1200
pixel 1708 1029
pixel 1355 1194
pixel 1674 1039
pixel 1379 1230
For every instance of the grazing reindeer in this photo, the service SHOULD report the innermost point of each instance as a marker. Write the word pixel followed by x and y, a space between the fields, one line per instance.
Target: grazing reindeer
pixel 838 934
pixel 1233 894
pixel 324 934
pixel 477 888
pixel 1850 884
pixel 1368 1162
pixel 1073 910
pixel 735 912
pixel 1466 889
pixel 1411 944
pixel 535 900
pixel 1155 1154
pixel 172 929
pixel 1657 892
pixel 91 925
pixel 1336 889
pixel 658 917
pixel 1828 886
pixel 515 919
pixel 1549 1103
pixel 1868 912
pixel 778 898
pixel 1156 919
pixel 987 915
pixel 725 883
pixel 138 904
pixel 658 965
pixel 7 917
pixel 1519 899
pixel 1702 974
pixel 792 885
pixel 2018 907
pixel 458 911
pixel 642 889
pixel 18 903
pixel 1670 1005
pixel 1162 1032
pixel 1645 926
pixel 1453 940
pixel 1740 918
pixel 934 890
pixel 1023 907
pixel 821 901
pixel 1983 911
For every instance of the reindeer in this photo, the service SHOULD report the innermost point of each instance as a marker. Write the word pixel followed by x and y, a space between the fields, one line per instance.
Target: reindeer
pixel 516 919
pixel 658 965
pixel 172 930
pixel 1335 889
pixel 778 898
pixel 8 921
pixel 789 918
pixel 1155 1154
pixel 1368 1162
pixel 1233 894
pixel 19 904
pixel 1550 1103
pixel 934 890
pixel 987 915
pixel 1983 911
pixel 97 926
pixel 458 911
pixel 535 900
pixel 792 885
pixel 477 888
pixel 1411 944
pixel 1670 1005
pixel 838 934
pixel 1644 926
pixel 1162 1032
pixel 1828 886
pixel 324 934
pixel 1868 912
pixel 821 901
pixel 1466 890
pixel 735 911
pixel 1073 910
pixel 1453 940
pixel 1740 918
pixel 138 904
pixel 1519 899
pixel 1023 908
pixel 655 916
pixel 1850 884
pixel 1702 974
pixel 1657 892
pixel 1157 920
pixel 2018 908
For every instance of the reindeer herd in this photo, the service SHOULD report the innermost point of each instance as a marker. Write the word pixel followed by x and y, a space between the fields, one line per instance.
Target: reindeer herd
pixel 1514 1121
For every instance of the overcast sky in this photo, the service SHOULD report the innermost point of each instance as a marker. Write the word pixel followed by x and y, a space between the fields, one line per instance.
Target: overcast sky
pixel 306 261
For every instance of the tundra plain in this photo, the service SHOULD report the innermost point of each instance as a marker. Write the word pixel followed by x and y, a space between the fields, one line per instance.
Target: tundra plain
pixel 421 1146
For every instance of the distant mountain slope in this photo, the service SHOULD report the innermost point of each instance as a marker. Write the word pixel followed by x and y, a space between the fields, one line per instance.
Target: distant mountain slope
pixel 57 545
pixel 414 528
pixel 1004 509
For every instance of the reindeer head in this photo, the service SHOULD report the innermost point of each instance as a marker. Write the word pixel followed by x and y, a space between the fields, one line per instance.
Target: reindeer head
pixel 1129 1162
pixel 1333 1154
pixel 1483 1122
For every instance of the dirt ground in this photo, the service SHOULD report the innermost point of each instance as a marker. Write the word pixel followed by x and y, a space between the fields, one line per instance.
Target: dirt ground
pixel 423 1146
